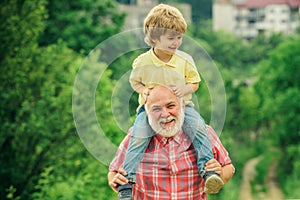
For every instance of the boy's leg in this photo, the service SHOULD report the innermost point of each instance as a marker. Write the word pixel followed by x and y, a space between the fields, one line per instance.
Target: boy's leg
pixel 194 126
pixel 141 135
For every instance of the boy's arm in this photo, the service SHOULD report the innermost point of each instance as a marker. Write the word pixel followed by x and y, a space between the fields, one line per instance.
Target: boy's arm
pixel 141 89
pixel 138 87
pixel 194 86
pixel 136 83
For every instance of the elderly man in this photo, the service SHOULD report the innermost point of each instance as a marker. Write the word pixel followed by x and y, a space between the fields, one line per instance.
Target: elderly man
pixel 168 169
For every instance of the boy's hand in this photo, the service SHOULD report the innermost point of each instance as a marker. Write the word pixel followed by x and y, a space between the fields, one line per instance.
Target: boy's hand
pixel 183 90
pixel 146 92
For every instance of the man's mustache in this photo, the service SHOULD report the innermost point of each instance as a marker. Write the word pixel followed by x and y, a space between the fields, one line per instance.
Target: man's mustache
pixel 167 119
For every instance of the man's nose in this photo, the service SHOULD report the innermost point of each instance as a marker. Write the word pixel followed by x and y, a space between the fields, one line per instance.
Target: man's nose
pixel 164 112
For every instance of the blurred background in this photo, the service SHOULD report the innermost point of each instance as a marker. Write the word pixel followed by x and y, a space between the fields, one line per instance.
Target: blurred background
pixel 255 45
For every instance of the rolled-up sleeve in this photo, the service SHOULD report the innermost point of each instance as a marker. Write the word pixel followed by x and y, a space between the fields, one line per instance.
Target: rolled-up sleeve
pixel 118 160
pixel 220 153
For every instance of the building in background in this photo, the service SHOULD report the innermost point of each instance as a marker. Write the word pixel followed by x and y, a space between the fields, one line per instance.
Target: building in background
pixel 137 10
pixel 250 17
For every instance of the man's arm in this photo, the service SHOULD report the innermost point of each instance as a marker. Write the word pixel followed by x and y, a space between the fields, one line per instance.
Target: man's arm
pixel 116 174
pixel 227 172
pixel 221 162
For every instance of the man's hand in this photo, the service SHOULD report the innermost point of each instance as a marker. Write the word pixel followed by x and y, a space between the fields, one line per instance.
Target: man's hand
pixel 117 178
pixel 225 172
pixel 214 165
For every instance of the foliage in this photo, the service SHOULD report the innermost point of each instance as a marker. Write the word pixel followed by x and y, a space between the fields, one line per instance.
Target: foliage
pixel 262 98
pixel 10 193
pixel 31 127
pixel 223 46
pixel 87 181
pixel 279 80
pixel 289 188
pixel 233 52
pixel 21 25
pixel 82 24
pixel 262 169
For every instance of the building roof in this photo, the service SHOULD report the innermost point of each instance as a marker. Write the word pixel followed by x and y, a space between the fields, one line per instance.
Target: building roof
pixel 264 3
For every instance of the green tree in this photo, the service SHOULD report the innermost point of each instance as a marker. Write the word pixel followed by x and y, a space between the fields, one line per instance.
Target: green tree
pixel 279 88
pixel 37 132
pixel 21 23
pixel 37 127
pixel 40 150
pixel 81 24
pixel 69 170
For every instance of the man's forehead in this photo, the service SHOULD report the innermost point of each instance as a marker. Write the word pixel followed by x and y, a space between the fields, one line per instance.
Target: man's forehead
pixel 163 103
pixel 160 91
pixel 161 95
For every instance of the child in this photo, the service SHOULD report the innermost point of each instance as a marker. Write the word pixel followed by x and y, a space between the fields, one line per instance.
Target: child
pixel 164 64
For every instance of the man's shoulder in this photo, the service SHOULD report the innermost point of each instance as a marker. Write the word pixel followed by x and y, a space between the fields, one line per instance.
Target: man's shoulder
pixel 212 134
pixel 126 139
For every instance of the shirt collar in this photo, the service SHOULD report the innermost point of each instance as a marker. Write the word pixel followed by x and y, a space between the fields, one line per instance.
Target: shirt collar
pixel 157 62
pixel 178 138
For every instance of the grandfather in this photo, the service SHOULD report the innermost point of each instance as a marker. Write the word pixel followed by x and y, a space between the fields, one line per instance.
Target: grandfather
pixel 168 169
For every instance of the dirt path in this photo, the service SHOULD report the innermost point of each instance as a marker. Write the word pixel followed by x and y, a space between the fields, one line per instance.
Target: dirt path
pixel 274 192
pixel 248 174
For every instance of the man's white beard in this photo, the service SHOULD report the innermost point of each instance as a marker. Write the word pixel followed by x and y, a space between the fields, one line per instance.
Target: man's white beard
pixel 168 131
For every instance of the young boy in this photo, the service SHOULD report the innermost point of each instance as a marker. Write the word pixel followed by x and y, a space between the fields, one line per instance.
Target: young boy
pixel 164 64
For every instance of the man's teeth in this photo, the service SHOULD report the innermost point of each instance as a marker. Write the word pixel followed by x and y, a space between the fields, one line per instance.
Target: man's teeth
pixel 167 121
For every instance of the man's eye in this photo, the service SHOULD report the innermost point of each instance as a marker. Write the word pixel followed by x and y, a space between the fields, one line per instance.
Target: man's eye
pixel 171 106
pixel 156 109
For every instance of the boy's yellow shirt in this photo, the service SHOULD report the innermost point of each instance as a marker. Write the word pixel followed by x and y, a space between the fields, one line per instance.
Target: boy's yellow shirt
pixel 151 71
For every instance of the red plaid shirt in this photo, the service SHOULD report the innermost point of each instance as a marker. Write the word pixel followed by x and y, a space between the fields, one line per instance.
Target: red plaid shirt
pixel 168 169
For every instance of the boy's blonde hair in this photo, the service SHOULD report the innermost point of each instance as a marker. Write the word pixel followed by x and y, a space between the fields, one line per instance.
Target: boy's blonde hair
pixel 162 19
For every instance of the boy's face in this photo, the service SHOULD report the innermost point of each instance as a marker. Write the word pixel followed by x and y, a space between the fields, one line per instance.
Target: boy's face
pixel 169 42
